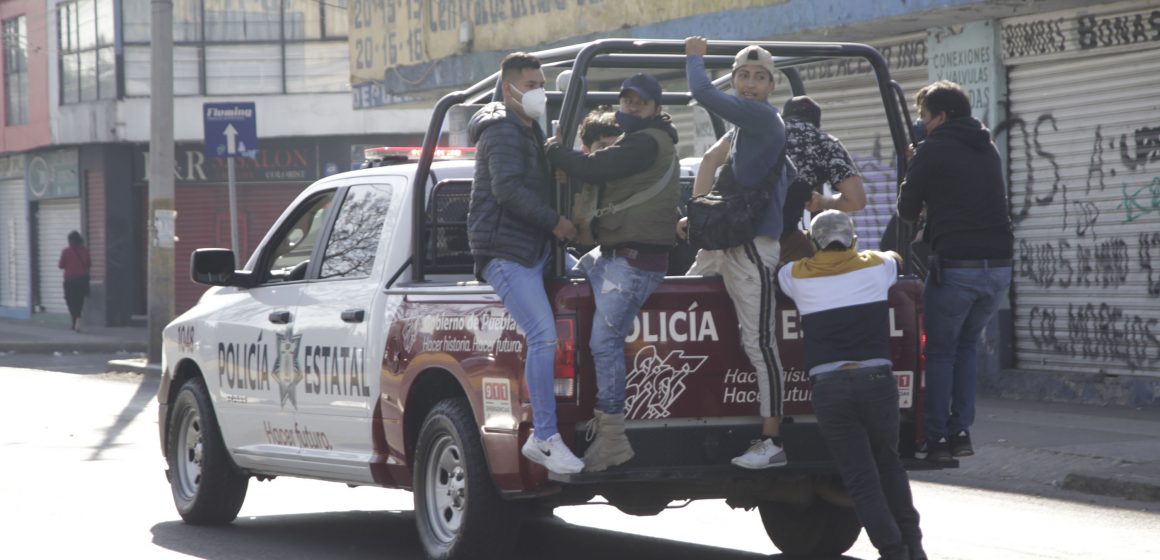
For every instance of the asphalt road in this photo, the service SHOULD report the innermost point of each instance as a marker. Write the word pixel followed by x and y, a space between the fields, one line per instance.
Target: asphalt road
pixel 83 475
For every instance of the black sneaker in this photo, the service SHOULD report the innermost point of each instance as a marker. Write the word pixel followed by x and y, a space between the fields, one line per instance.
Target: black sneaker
pixel 916 551
pixel 937 451
pixel 900 553
pixel 961 444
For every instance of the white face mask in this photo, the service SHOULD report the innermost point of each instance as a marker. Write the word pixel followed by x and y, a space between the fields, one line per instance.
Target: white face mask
pixel 534 102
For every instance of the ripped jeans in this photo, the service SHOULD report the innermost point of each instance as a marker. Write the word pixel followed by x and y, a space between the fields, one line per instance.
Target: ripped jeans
pixel 619 290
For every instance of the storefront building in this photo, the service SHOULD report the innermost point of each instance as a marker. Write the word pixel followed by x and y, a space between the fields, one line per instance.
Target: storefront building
pixel 1068 88
pixel 1084 158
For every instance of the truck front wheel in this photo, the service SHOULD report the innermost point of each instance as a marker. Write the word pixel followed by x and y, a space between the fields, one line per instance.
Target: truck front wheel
pixel 818 529
pixel 459 512
pixel 208 489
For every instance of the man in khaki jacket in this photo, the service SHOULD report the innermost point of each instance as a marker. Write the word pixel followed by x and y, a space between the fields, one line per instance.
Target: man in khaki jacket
pixel 637 217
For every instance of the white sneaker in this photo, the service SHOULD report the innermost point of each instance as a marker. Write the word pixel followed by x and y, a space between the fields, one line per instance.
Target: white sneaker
pixel 763 454
pixel 553 454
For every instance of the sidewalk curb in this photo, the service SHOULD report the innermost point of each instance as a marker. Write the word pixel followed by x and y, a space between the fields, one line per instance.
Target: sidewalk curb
pixel 133 365
pixel 96 346
pixel 1120 485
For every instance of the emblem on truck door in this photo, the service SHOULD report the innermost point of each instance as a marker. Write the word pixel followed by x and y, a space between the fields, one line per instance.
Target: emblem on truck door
pixel 287 370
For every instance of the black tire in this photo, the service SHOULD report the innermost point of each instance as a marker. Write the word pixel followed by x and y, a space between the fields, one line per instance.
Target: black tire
pixel 538 509
pixel 208 489
pixel 818 529
pixel 641 510
pixel 459 512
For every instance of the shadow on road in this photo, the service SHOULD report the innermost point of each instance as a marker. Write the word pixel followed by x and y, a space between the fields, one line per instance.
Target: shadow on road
pixel 390 535
pixel 82 363
pixel 146 391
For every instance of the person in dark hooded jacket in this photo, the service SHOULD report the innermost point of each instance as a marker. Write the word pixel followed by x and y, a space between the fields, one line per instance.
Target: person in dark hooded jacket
pixel 510 226
pixel 956 177
pixel 637 217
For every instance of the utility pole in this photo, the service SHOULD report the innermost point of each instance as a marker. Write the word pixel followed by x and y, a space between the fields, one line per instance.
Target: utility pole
pixel 162 216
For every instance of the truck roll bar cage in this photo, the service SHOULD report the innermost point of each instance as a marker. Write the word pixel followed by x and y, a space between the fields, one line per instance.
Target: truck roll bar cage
pixel 656 54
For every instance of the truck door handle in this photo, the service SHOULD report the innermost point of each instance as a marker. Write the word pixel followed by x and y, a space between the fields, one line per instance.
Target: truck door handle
pixel 279 317
pixel 353 315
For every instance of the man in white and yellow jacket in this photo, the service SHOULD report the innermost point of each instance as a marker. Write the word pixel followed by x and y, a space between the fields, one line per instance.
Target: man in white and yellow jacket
pixel 842 295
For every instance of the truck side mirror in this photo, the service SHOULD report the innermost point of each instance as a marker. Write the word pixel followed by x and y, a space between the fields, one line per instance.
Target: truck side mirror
pixel 215 267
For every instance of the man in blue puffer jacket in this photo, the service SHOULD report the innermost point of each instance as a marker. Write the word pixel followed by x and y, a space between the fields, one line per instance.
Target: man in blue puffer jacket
pixel 510 226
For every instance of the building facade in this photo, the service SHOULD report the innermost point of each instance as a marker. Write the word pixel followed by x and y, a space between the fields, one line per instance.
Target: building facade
pixel 1066 86
pixel 75 140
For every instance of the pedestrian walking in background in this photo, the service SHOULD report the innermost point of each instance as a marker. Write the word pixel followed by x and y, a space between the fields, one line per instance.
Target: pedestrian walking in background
pixel 76 262
pixel 956 179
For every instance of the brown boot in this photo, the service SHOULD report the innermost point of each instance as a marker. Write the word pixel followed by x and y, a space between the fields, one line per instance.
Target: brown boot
pixel 611 447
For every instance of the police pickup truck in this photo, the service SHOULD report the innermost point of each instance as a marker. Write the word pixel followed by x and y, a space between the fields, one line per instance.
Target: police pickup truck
pixel 355 346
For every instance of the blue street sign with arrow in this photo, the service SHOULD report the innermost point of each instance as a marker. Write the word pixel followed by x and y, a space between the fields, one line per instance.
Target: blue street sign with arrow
pixel 231 129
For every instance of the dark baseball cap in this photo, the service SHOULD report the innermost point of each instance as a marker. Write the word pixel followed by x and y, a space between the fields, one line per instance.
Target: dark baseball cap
pixel 644 85
pixel 803 108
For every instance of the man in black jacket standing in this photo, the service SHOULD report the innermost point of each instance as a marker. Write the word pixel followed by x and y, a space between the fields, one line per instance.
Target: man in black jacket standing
pixel 956 176
pixel 510 226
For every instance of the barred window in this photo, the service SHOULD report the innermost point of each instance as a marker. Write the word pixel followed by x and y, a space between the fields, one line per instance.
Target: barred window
pixel 88 68
pixel 15 71
pixel 232 47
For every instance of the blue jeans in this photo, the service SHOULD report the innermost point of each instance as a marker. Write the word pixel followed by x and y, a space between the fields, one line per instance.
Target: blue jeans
pixel 955 314
pixel 522 291
pixel 857 413
pixel 619 290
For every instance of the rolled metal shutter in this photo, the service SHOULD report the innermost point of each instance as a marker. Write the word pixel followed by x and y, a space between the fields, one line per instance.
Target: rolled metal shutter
pixel 203 220
pixel 15 276
pixel 54 220
pixel 1084 162
pixel 852 111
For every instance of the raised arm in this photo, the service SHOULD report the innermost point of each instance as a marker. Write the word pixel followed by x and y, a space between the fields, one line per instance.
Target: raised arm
pixel 838 168
pixel 743 113
pixel 851 197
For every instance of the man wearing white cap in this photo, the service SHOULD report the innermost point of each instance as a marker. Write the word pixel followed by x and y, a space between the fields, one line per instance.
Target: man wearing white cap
pixel 756 160
pixel 842 296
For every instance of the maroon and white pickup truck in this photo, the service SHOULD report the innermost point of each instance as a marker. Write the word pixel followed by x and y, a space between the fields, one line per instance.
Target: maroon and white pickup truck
pixel 355 346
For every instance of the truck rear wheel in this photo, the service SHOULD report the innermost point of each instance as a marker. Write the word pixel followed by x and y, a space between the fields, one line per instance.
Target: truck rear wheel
pixel 208 489
pixel 459 512
pixel 816 529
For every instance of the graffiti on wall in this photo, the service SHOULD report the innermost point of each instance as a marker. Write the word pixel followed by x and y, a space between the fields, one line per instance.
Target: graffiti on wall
pixel 1099 246
pixel 1103 332
pixel 1079 33
pixel 880 180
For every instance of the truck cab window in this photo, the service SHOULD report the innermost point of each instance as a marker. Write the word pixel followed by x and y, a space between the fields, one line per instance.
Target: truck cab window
pixel 354 240
pixel 292 252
